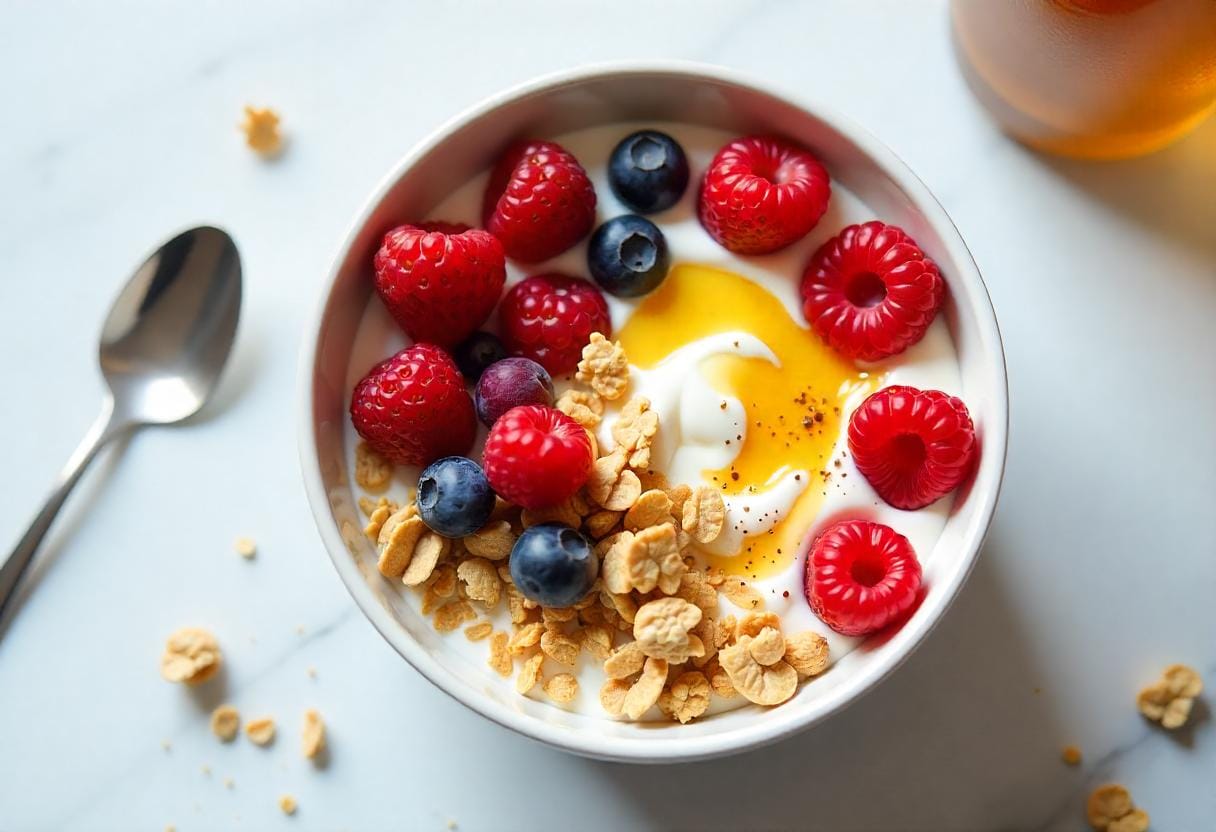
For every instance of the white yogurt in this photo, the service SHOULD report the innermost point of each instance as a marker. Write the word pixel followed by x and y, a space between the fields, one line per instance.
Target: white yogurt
pixel 693 425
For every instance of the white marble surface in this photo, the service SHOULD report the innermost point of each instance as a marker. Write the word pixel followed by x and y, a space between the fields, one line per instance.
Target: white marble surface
pixel 119 128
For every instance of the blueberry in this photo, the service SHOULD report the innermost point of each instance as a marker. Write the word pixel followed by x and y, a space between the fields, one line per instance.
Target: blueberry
pixel 454 496
pixel 478 351
pixel 648 171
pixel 552 564
pixel 510 383
pixel 628 256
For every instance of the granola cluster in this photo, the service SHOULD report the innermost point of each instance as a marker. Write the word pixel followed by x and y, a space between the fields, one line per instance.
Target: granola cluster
pixel 652 618
pixel 1169 699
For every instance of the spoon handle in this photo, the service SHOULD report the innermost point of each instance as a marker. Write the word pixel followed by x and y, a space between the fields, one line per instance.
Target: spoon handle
pixel 102 431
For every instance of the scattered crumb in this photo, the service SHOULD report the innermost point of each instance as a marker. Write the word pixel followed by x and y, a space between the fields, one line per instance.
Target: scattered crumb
pixel 1169 699
pixel 245 547
pixel 1110 809
pixel 170 828
pixel 299 629
pixel 225 722
pixel 165 745
pixel 312 673
pixel 314 734
pixel 205 769
pixel 288 804
pixel 1071 755
pixel 229 783
pixel 261 128
pixel 260 731
pixel 191 655
pixel 451 824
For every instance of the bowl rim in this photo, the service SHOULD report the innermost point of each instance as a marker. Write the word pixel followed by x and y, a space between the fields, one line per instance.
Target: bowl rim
pixel 673 747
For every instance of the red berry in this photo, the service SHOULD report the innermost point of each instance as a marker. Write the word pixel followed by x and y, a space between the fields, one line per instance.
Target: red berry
pixel 440 281
pixel 914 446
pixel 539 201
pixel 762 193
pixel 550 317
pixel 536 456
pixel 861 576
pixel 870 292
pixel 413 408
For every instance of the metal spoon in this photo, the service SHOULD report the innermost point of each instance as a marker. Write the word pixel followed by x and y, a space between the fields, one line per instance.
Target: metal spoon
pixel 162 348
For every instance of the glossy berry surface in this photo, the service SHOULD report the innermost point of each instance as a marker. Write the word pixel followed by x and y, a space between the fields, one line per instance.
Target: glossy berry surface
pixel 861 576
pixel 550 317
pixel 648 171
pixel 870 292
pixel 454 496
pixel 913 446
pixel 510 383
pixel 537 457
pixel 439 281
pixel 628 256
pixel 761 194
pixel 413 408
pixel 478 351
pixel 553 565
pixel 538 201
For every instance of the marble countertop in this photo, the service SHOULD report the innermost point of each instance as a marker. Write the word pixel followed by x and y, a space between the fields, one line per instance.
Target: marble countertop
pixel 1099 570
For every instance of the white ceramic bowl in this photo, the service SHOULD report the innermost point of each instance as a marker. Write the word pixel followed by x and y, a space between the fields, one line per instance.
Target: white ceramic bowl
pixel 583 98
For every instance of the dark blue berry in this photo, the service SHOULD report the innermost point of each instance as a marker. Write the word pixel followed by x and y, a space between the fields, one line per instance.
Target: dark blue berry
pixel 510 383
pixel 628 256
pixel 552 564
pixel 478 351
pixel 648 171
pixel 454 496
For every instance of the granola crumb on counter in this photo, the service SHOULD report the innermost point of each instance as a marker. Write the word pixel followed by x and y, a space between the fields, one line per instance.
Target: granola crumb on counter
pixel 1110 809
pixel 225 722
pixel 261 129
pixel 1169 699
pixel 191 656
pixel 245 547
pixel 1071 755
pixel 260 731
pixel 313 737
pixel 288 804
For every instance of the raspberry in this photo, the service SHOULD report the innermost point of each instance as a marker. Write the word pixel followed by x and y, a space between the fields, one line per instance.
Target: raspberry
pixel 440 281
pixel 870 292
pixel 539 201
pixel 550 317
pixel 861 576
pixel 914 446
pixel 762 193
pixel 536 456
pixel 413 407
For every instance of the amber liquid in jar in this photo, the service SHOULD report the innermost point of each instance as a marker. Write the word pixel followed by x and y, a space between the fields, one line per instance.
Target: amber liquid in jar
pixel 1098 79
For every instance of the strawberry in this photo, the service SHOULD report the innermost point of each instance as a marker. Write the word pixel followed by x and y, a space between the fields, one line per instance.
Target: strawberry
pixel 539 201
pixel 439 281
pixel 550 317
pixel 413 407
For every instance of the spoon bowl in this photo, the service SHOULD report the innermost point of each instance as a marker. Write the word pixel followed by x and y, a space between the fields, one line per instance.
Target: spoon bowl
pixel 171 328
